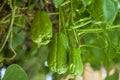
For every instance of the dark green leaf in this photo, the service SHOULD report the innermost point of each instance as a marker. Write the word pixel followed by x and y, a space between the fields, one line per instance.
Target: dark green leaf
pixel 57 2
pixel 18 37
pixel 110 10
pixel 96 9
pixel 15 72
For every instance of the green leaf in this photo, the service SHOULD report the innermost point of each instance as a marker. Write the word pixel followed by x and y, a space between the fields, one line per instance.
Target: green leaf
pixel 57 2
pixel 21 52
pixel 18 37
pixel 114 36
pixel 96 9
pixel 33 50
pixel 110 10
pixel 15 72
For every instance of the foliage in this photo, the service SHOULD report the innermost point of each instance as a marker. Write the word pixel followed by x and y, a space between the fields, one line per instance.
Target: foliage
pixel 92 26
pixel 114 76
pixel 15 72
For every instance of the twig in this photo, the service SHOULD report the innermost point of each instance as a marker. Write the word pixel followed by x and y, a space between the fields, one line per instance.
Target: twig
pixel 9 30
pixel 3 5
pixel 97 29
